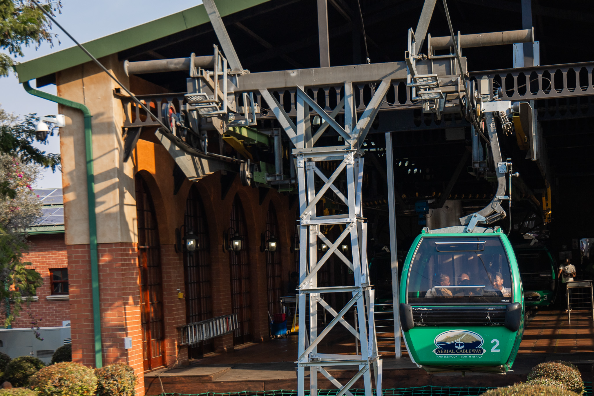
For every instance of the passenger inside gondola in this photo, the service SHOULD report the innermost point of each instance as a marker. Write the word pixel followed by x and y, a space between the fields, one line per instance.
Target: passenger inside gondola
pixel 499 287
pixel 437 291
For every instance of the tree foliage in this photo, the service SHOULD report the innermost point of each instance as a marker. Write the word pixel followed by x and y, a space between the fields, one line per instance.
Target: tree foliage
pixel 21 25
pixel 18 211
pixel 16 139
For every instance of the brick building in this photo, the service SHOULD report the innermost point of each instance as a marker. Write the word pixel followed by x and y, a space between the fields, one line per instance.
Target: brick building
pixel 47 254
pixel 143 206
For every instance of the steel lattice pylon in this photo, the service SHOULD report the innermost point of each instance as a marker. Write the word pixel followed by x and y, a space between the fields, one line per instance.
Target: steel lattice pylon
pixel 352 225
pixel 354 228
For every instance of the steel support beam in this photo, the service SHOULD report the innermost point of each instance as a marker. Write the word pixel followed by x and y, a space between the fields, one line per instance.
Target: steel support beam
pixel 323 37
pixel 527 24
pixel 423 24
pixel 393 244
pixel 485 39
pixel 222 35
pixel 337 75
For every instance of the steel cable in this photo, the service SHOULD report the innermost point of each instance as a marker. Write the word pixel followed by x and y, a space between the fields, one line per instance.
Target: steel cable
pixel 166 132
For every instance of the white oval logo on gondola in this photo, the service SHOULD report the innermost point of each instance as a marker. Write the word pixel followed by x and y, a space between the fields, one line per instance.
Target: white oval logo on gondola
pixel 459 343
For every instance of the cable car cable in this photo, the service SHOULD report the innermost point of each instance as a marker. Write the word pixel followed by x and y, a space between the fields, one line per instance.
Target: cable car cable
pixel 167 132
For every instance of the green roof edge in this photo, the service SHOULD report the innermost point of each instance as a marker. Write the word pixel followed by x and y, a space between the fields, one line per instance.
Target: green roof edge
pixel 41 230
pixel 127 39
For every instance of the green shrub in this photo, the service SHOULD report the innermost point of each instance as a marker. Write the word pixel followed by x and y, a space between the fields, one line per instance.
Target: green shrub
pixel 4 360
pixel 563 372
pixel 66 378
pixel 116 380
pixel 62 354
pixel 529 390
pixel 19 370
pixel 544 381
pixel 568 364
pixel 17 392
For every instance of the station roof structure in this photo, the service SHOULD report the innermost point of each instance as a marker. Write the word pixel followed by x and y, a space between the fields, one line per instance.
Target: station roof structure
pixel 283 34
pixel 127 39
pixel 271 35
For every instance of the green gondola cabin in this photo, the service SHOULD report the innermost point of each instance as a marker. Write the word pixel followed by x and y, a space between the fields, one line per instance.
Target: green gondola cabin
pixel 462 306
pixel 537 269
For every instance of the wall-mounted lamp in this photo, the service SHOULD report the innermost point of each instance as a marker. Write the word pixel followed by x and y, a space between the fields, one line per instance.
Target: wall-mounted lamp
pixel 322 247
pixel 269 244
pixel 344 248
pixel 232 240
pixel 186 243
pixel 316 121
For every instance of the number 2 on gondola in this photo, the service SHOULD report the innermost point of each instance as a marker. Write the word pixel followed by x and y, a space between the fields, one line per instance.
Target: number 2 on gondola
pixel 494 348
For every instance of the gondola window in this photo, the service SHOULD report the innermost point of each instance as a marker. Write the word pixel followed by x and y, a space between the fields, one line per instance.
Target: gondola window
pixel 459 270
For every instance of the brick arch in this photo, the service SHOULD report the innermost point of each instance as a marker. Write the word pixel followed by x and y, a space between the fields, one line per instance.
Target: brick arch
pixel 198 269
pixel 165 228
pixel 217 212
pixel 286 217
pixel 250 209
pixel 150 273
pixel 242 272
pixel 286 221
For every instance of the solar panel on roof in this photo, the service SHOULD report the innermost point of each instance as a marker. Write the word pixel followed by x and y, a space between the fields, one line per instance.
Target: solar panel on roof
pixel 51 216
pixel 50 196
pixel 43 192
pixel 53 199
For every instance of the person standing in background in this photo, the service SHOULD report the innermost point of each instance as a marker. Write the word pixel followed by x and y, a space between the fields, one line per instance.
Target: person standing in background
pixel 567 273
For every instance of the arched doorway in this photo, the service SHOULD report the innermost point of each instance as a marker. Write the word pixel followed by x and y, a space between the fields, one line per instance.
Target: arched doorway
pixel 240 277
pixel 273 265
pixel 151 288
pixel 197 270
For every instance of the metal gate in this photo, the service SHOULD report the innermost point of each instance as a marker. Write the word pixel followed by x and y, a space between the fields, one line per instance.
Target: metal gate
pixel 240 278
pixel 273 265
pixel 151 289
pixel 197 270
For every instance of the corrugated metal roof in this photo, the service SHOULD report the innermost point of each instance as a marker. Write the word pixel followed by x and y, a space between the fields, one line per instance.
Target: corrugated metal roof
pixel 127 39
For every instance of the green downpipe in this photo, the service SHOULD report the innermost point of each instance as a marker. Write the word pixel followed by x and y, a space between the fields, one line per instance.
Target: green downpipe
pixel 92 214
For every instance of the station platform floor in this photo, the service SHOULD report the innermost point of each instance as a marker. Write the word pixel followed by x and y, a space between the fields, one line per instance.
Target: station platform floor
pixel 271 365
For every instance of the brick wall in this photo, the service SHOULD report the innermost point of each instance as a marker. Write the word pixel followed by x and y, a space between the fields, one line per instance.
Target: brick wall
pixel 120 305
pixel 45 252
pixel 175 308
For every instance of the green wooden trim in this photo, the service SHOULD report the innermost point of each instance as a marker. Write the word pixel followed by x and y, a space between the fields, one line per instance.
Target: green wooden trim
pixel 43 230
pixel 127 39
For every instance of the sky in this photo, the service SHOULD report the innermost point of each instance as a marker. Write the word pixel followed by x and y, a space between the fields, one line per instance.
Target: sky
pixel 85 20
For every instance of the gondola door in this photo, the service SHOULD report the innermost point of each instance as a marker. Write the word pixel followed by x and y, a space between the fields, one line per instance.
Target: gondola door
pixel 197 271
pixel 240 278
pixel 151 289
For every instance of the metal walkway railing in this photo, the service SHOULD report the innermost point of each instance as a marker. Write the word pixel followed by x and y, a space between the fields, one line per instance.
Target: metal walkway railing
pixel 193 333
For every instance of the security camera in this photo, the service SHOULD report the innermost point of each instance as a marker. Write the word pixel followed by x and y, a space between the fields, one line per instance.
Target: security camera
pixel 42 129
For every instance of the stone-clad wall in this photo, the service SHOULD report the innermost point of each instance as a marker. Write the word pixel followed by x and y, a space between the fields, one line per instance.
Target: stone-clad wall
pixel 117 228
